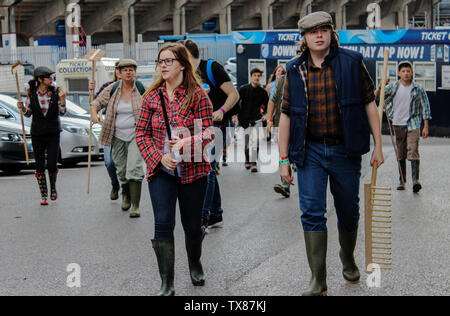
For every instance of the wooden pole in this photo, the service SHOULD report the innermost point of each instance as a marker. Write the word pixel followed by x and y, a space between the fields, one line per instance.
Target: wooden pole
pixel 19 98
pixel 91 99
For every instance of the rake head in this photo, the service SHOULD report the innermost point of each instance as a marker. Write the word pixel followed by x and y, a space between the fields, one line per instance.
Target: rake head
pixel 378 225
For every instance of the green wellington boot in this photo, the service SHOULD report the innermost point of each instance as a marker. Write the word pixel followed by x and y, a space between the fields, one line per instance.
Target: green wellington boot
pixel 316 250
pixel 165 254
pixel 194 252
pixel 135 197
pixel 350 270
pixel 126 202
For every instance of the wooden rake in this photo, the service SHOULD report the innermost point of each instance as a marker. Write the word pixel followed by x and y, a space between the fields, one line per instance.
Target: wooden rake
pixel 19 98
pixel 378 201
pixel 93 56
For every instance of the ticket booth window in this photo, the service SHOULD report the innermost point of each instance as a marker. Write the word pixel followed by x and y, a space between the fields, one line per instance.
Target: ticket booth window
pixel 425 75
pixel 78 85
pixel 392 72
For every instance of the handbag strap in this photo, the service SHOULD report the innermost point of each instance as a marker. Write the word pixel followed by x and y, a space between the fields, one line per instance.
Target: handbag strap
pixel 166 117
pixel 169 132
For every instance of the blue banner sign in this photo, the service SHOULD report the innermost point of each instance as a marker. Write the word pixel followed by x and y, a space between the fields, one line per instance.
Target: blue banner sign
pixel 269 51
pixel 349 37
pixel 369 52
pixel 396 52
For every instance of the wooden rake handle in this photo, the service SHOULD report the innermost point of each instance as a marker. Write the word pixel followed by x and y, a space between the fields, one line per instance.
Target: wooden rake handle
pixel 19 98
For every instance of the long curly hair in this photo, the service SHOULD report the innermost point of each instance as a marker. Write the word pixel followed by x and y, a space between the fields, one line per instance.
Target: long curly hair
pixel 191 80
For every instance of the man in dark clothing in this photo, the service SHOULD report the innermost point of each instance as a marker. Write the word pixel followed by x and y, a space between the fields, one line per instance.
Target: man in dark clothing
pixel 254 101
pixel 224 97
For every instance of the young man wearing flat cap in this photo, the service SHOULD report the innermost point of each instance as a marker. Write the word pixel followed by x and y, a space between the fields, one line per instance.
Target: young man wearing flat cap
pixel 407 104
pixel 122 101
pixel 328 114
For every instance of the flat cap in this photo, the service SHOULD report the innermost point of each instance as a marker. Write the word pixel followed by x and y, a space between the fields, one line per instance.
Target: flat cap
pixel 405 62
pixel 42 72
pixel 127 63
pixel 314 20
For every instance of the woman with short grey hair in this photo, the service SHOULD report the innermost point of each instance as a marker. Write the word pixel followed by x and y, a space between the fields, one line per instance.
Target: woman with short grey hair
pixel 122 101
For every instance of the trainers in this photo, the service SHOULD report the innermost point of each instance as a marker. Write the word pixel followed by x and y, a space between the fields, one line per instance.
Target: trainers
pixel 215 221
pixel 401 187
pixel 248 165
pixel 286 192
pixel 254 168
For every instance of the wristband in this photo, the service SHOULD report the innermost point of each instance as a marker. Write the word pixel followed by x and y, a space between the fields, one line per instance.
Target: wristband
pixel 284 162
pixel 223 111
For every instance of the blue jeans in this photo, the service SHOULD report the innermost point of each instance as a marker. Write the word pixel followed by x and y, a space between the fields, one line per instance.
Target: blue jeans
pixel 109 164
pixel 213 200
pixel 164 193
pixel 322 163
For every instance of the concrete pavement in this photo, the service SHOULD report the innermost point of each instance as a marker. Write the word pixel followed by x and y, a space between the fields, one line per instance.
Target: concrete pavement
pixel 259 251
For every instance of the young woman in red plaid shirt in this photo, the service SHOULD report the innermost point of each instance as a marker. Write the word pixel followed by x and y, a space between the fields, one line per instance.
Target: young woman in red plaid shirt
pixel 177 167
pixel 45 104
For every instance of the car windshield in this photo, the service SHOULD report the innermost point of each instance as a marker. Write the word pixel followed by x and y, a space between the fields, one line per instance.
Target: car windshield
pixel 75 109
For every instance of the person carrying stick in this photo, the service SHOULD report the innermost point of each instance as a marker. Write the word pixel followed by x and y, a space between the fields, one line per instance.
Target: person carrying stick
pixel 407 105
pixel 328 114
pixel 45 104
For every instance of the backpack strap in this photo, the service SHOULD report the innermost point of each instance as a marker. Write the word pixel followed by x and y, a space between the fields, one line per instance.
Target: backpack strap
pixel 138 84
pixel 140 87
pixel 116 85
pixel 210 74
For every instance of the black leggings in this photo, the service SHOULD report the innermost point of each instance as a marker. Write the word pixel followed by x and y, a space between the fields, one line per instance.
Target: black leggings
pixel 46 144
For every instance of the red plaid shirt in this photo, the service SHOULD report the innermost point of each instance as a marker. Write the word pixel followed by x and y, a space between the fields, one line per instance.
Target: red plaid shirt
pixel 193 125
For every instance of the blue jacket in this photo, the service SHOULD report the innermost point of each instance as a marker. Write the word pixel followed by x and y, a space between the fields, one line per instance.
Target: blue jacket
pixel 346 70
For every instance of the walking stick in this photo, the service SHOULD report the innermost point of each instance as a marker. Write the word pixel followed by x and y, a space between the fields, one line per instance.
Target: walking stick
pixel 93 56
pixel 19 98
pixel 378 219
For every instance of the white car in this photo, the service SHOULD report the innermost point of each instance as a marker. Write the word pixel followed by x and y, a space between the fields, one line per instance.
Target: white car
pixel 74 145
pixel 230 65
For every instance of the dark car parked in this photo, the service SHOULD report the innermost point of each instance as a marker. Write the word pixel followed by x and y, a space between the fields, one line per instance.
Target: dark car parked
pixel 12 148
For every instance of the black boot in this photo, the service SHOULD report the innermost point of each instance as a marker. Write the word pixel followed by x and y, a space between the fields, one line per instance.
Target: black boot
pixel 348 243
pixel 165 254
pixel 114 195
pixel 126 200
pixel 42 182
pixel 53 194
pixel 316 250
pixel 401 186
pixel 194 252
pixel 415 166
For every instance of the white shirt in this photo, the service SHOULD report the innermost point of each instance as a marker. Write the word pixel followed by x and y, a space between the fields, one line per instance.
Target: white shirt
pixel 125 124
pixel 402 105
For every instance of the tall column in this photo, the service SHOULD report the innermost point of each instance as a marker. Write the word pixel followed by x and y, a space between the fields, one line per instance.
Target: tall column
pixel 5 25
pixel 183 20
pixel 126 38
pixel 73 20
pixel 223 22
pixel 177 21
pixel 229 20
pixel 132 33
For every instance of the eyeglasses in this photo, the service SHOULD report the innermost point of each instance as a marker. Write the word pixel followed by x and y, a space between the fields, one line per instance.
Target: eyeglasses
pixel 167 61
